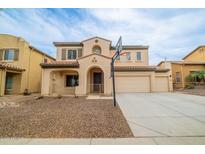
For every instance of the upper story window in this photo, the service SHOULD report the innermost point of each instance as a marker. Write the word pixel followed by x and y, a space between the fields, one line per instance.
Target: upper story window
pixel 138 56
pixel 128 55
pixel 9 54
pixel 97 50
pixel 71 54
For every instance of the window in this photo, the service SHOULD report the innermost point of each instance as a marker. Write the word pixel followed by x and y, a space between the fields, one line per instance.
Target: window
pixel 178 77
pixel 72 54
pixel 138 56
pixel 97 50
pixel 71 80
pixel 9 54
pixel 128 57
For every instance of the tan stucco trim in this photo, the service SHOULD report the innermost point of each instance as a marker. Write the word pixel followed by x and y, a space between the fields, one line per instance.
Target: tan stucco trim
pixel 94 55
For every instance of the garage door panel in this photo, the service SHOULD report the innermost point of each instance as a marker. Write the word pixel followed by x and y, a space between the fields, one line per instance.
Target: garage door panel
pixel 161 84
pixel 133 84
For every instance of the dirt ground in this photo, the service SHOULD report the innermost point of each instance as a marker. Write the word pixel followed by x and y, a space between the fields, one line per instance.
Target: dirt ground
pixel 61 118
pixel 198 90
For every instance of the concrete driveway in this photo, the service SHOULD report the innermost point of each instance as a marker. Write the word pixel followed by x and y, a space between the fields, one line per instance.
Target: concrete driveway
pixel 164 114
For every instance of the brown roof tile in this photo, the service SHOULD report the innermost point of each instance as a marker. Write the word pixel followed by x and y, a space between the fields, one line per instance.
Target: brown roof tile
pixel 61 64
pixel 9 66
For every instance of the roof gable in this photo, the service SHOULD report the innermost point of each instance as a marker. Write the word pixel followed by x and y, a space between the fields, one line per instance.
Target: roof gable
pixel 195 50
pixel 96 37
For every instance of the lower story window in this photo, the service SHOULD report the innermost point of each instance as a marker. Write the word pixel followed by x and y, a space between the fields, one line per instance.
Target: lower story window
pixel 71 80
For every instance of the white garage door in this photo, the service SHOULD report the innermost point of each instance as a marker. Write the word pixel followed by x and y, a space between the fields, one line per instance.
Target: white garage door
pixel 161 84
pixel 133 84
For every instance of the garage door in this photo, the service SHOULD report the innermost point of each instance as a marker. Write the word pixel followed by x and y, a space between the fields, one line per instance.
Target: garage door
pixel 161 84
pixel 133 84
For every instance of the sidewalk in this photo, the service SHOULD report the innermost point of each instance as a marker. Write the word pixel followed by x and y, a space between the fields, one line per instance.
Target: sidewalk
pixel 105 141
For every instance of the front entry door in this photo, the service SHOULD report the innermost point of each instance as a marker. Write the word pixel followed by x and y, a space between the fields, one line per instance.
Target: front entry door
pixel 97 82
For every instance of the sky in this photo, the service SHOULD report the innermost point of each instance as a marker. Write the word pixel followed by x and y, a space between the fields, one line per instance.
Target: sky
pixel 169 33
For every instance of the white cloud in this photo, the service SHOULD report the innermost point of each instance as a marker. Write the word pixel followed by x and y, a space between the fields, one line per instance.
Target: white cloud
pixel 170 33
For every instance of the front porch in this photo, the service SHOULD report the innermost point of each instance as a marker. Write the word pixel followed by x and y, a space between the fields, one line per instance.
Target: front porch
pixel 10 79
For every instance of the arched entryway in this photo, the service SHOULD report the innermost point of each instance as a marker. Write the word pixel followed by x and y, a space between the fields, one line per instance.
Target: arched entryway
pixel 95 80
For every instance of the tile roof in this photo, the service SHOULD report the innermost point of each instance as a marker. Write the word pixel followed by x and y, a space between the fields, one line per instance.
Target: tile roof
pixel 61 64
pixel 8 66
pixel 185 62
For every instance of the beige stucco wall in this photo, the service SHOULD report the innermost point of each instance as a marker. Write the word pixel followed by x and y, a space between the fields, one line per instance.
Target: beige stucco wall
pixel 28 59
pixel 183 69
pixel 133 61
pixel 103 44
pixel 85 65
pixel 92 61
pixel 198 55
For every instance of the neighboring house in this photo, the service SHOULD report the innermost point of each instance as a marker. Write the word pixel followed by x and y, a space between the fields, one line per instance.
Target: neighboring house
pixel 193 62
pixel 20 65
pixel 85 67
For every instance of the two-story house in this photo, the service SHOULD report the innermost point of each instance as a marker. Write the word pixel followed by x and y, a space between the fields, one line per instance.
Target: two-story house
pixel 84 68
pixel 20 65
pixel 180 70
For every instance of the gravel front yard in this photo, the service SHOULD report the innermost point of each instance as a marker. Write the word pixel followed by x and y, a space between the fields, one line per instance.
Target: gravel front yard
pixel 63 118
